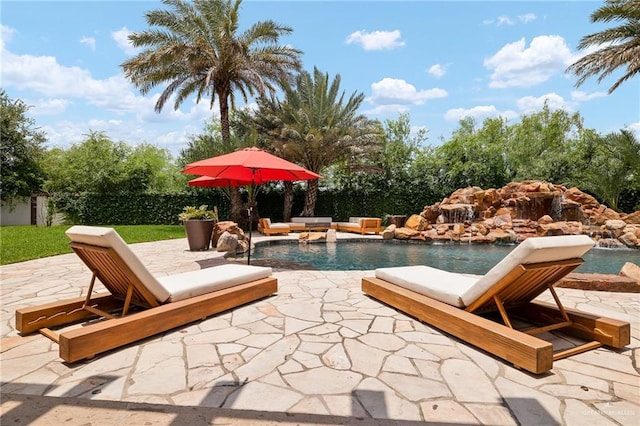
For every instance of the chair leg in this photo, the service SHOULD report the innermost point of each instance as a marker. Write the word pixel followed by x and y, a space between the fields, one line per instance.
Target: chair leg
pixel 586 326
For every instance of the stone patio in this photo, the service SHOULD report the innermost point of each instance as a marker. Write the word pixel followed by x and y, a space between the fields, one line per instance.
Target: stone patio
pixel 317 352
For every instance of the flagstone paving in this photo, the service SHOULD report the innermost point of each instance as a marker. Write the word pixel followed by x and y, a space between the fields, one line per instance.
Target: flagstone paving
pixel 317 352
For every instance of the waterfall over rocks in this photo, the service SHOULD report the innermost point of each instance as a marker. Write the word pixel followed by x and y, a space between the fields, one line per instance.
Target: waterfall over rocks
pixel 518 211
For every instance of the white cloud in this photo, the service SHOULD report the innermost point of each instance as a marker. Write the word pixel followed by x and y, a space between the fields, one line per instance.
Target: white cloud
pixel 89 41
pixel 48 106
pixel 527 17
pixel 376 40
pixel 635 128
pixel 515 65
pixel 121 38
pixel 6 34
pixel 61 86
pixel 478 113
pixel 389 109
pixel 507 20
pixel 504 20
pixel 580 96
pixel 44 75
pixel 391 91
pixel 437 70
pixel 529 104
pixel 64 133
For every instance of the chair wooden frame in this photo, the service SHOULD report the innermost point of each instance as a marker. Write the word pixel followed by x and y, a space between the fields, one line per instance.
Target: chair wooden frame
pixel 511 296
pixel 121 326
pixel 266 229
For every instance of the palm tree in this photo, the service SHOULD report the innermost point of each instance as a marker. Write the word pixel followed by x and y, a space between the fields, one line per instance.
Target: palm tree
pixel 195 49
pixel 315 127
pixel 613 166
pixel 264 126
pixel 617 46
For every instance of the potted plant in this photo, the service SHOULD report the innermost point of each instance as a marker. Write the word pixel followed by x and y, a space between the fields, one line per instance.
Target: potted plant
pixel 198 224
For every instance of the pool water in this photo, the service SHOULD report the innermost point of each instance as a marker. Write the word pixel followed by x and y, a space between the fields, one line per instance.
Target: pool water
pixel 466 258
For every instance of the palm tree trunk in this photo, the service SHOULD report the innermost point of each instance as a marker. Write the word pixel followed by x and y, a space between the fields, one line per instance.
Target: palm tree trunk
pixel 236 199
pixel 310 198
pixel 236 205
pixel 288 201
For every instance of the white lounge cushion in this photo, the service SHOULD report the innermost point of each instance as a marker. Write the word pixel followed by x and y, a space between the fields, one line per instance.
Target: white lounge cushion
pixel 172 287
pixel 441 285
pixel 194 283
pixel 462 290
pixel 531 250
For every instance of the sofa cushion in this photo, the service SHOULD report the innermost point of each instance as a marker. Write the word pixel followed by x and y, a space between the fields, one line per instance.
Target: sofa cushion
pixel 278 226
pixel 315 219
pixel 356 220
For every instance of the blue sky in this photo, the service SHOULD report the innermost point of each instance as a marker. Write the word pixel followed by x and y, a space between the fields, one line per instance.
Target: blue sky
pixel 437 61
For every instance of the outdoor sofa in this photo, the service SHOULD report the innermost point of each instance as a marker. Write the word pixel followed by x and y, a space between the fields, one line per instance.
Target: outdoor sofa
pixel 360 225
pixel 302 224
pixel 266 227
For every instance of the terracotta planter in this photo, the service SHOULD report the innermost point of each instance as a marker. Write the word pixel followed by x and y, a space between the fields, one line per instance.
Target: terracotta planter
pixel 199 233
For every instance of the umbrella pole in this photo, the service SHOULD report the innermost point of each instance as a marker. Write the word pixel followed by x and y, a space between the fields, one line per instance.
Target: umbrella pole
pixel 249 211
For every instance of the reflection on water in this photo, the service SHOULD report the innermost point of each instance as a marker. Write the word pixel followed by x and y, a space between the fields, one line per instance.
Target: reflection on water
pixel 467 258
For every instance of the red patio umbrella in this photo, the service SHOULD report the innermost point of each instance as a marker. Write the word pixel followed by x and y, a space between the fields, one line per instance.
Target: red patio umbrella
pixel 252 165
pixel 208 181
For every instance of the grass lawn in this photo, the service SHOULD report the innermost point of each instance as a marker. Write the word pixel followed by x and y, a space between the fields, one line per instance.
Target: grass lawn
pixel 20 243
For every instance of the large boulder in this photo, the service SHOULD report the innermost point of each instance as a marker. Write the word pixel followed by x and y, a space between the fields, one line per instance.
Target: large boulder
pixel 405 233
pixel 227 242
pixel 388 233
pixel 631 270
pixel 632 218
pixel 226 226
pixel 417 222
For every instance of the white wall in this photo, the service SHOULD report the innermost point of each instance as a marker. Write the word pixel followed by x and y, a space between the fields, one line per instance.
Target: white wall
pixel 20 212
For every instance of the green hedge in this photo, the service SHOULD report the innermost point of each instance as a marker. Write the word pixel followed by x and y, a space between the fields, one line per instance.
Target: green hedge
pixel 158 209
pixel 163 209
pixel 134 209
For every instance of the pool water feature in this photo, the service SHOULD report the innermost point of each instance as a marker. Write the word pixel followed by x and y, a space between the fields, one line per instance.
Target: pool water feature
pixel 465 258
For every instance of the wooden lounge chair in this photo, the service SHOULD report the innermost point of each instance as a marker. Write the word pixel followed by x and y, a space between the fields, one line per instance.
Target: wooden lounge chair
pixel 463 305
pixel 267 228
pixel 138 305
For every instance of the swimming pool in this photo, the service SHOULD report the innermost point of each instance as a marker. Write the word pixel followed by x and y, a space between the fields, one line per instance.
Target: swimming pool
pixel 467 258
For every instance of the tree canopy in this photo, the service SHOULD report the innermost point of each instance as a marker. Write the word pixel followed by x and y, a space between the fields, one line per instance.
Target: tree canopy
pixel 21 149
pixel 99 165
